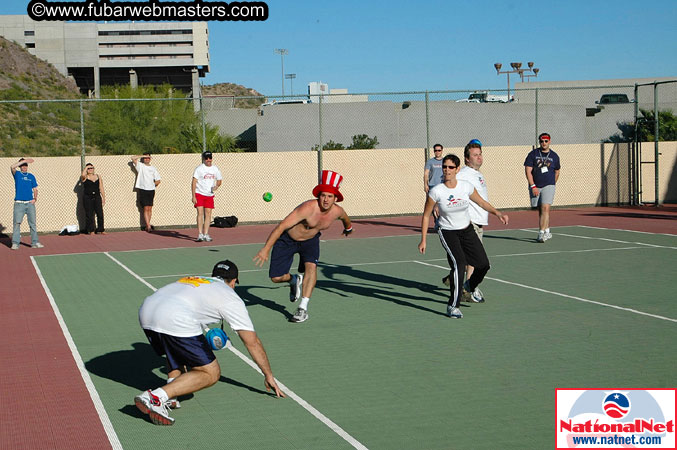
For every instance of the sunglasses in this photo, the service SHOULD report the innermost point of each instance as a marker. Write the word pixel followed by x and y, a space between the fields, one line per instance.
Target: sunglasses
pixel 437 150
pixel 90 168
pixel 448 167
pixel 544 140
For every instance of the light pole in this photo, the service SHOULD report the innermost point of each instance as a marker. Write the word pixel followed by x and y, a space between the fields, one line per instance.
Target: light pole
pixel 290 77
pixel 282 52
pixel 516 68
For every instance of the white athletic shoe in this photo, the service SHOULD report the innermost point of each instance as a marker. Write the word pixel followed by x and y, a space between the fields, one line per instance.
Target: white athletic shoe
pixel 477 296
pixel 454 313
pixel 301 315
pixel 15 246
pixel 208 238
pixel 37 245
pixel 541 237
pixel 295 288
pixel 173 403
pixel 152 405
pixel 547 236
pixel 200 238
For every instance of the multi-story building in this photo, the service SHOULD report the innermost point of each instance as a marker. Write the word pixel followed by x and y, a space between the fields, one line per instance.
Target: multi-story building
pixel 97 54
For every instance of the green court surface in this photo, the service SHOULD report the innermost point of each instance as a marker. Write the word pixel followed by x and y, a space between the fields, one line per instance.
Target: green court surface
pixel 378 361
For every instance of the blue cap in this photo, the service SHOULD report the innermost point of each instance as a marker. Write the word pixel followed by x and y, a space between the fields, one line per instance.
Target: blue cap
pixel 475 141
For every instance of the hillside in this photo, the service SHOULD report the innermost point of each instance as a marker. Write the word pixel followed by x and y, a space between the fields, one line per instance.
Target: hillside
pixel 36 128
pixel 236 90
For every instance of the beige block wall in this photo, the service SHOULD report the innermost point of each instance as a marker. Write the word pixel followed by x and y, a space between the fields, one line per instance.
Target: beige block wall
pixel 376 182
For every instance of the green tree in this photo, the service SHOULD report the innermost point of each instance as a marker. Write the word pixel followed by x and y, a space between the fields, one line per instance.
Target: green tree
pixel 362 141
pixel 667 128
pixel 151 124
pixel 331 145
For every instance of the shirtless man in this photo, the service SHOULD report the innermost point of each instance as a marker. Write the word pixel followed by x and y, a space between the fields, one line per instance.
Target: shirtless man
pixel 299 232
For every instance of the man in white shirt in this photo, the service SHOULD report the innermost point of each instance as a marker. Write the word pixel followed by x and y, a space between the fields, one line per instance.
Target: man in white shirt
pixel 478 216
pixel 147 179
pixel 206 180
pixel 173 319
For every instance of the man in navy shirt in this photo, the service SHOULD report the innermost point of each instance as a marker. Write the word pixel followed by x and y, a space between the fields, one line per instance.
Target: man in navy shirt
pixel 542 170
pixel 26 193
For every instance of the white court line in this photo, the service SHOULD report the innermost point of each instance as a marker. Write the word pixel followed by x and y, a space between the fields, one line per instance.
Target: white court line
pixel 618 241
pixel 94 395
pixel 305 405
pixel 634 311
pixel 628 231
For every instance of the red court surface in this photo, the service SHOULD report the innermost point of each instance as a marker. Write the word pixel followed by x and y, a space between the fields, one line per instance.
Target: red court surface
pixel 45 403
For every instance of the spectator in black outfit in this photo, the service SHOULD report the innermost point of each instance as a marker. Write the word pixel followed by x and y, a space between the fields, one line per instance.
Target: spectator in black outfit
pixel 93 198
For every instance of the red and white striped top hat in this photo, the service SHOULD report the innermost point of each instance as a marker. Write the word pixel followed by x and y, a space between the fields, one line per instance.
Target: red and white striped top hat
pixel 331 182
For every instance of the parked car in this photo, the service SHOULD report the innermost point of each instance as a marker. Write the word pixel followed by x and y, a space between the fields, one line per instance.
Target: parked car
pixel 485 97
pixel 299 101
pixel 609 99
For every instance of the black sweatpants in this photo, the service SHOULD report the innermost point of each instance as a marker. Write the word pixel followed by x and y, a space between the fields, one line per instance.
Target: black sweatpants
pixel 463 247
pixel 93 205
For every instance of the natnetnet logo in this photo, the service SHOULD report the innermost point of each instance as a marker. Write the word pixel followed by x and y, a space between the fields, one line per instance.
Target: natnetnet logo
pixel 615 418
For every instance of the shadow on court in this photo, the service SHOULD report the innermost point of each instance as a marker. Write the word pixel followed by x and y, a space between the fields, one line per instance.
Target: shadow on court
pixel 251 299
pixel 134 368
pixel 375 289
pixel 511 238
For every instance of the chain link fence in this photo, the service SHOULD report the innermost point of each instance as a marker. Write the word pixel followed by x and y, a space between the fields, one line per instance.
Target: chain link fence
pixel 280 144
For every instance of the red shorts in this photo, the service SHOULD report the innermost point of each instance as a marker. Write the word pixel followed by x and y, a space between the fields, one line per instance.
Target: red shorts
pixel 204 201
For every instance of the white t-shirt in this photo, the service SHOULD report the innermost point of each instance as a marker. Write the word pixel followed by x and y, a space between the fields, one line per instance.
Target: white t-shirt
pixel 206 179
pixel 453 205
pixel 147 175
pixel 478 216
pixel 183 307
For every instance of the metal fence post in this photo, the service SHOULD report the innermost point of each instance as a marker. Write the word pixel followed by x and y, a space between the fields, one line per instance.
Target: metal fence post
pixel 82 137
pixel 427 127
pixel 319 148
pixel 204 125
pixel 536 117
pixel 655 140
pixel 634 158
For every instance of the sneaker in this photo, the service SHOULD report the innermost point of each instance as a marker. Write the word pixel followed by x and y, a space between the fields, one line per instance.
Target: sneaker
pixel 152 405
pixel 200 238
pixel 477 296
pixel 37 245
pixel 15 246
pixel 547 236
pixel 466 295
pixel 454 313
pixel 541 237
pixel 295 289
pixel 173 403
pixel 445 281
pixel 301 315
pixel 208 238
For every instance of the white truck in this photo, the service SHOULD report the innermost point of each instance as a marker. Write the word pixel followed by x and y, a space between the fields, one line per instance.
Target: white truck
pixel 485 97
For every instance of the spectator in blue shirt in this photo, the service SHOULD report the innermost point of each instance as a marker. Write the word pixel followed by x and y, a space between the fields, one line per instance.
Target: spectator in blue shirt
pixel 542 167
pixel 26 193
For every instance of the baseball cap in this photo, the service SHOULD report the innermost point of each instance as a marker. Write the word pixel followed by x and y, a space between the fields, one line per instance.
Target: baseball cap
pixel 475 142
pixel 226 270
pixel 206 155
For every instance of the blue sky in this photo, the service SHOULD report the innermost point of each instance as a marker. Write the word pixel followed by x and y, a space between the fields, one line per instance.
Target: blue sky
pixel 376 46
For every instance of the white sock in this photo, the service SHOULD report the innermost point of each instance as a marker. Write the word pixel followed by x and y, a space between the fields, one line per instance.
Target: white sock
pixel 161 394
pixel 547 230
pixel 304 303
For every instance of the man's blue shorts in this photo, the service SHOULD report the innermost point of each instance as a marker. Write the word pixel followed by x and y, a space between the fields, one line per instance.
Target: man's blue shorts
pixel 193 351
pixel 284 250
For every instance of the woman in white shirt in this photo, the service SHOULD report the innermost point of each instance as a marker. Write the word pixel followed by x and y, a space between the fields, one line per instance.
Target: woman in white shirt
pixel 456 232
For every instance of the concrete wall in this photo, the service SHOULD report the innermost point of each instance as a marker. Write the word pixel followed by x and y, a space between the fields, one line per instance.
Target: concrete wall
pixel 377 182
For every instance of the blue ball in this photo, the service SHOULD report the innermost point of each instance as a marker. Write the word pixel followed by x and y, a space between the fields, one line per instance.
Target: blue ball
pixel 217 338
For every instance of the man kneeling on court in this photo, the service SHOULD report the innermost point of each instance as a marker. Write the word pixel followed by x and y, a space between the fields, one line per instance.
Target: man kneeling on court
pixel 173 319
